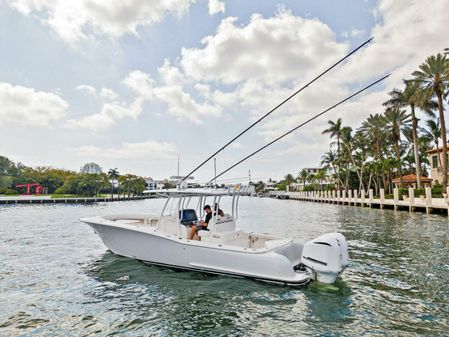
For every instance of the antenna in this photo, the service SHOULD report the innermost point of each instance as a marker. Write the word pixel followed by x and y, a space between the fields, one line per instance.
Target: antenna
pixel 276 107
pixel 215 171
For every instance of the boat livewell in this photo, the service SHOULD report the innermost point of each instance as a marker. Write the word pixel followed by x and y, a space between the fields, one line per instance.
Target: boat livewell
pixel 222 249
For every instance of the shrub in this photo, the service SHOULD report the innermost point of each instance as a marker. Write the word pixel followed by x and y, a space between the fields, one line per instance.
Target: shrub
pixel 10 191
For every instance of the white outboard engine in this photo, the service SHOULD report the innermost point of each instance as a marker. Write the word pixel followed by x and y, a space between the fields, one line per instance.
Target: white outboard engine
pixel 326 256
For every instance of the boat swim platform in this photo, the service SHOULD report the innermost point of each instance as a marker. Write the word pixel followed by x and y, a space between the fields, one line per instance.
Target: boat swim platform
pixel 361 198
pixel 9 200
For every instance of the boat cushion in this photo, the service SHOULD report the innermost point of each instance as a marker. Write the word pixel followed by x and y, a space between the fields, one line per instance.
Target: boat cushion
pixel 187 216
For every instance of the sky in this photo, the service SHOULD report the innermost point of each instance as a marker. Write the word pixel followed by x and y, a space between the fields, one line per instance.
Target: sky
pixel 135 84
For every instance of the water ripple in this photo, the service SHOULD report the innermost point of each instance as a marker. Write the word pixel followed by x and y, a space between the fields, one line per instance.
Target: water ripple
pixel 57 278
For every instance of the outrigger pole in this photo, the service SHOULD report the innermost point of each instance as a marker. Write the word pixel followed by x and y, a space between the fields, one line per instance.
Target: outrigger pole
pixel 275 108
pixel 300 125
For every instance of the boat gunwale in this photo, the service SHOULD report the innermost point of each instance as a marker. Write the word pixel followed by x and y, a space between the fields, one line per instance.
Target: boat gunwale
pixel 151 230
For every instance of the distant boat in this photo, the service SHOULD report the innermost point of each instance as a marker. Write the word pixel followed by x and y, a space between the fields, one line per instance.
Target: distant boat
pixel 222 249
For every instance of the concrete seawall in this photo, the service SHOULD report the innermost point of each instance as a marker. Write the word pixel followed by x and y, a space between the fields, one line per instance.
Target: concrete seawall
pixel 361 198
pixel 49 200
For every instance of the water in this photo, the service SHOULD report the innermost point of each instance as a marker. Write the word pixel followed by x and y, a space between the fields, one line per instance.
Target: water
pixel 57 278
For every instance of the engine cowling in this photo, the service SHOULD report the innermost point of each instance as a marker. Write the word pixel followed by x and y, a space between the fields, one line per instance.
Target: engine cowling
pixel 326 256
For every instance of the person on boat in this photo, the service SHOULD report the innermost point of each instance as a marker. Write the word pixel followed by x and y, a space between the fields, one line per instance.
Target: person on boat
pixel 220 211
pixel 201 225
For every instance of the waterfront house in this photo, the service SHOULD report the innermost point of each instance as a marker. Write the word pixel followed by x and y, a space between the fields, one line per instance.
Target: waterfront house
pixel 410 180
pixel 436 173
pixel 91 168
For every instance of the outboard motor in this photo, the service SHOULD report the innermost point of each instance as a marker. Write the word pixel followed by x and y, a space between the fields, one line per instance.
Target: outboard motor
pixel 326 256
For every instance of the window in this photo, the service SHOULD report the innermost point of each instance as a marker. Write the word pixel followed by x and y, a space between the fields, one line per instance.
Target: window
pixel 434 161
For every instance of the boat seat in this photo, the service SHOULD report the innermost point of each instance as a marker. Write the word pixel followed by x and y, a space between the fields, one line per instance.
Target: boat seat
pixel 188 217
pixel 225 223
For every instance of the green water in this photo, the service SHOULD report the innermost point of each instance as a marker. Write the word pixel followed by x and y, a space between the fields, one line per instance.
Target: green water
pixel 58 279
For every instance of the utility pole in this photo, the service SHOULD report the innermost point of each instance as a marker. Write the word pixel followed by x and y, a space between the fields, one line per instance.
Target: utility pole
pixel 249 176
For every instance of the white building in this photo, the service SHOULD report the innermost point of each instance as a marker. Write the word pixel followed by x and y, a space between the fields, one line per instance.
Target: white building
pixel 151 184
pixel 91 168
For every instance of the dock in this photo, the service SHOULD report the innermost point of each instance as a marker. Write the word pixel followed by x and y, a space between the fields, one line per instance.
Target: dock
pixel 49 200
pixel 360 198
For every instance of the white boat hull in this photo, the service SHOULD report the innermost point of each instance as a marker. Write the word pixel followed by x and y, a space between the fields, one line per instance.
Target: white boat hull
pixel 152 246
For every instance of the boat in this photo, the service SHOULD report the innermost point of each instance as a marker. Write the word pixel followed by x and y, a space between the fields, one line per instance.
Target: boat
pixel 222 249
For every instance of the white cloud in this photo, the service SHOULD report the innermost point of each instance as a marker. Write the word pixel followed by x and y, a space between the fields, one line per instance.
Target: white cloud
pixel 216 6
pixel 108 94
pixel 109 114
pixel 170 90
pixel 75 20
pixel 87 88
pixel 353 33
pixel 149 149
pixel 140 83
pixel 280 48
pixel 26 106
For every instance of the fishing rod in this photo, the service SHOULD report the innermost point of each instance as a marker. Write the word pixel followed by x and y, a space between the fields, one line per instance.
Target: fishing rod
pixel 300 125
pixel 275 108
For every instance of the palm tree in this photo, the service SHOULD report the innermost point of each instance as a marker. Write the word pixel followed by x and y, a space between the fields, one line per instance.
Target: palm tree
pixel 302 176
pixel 113 175
pixel 373 129
pixel 433 79
pixel 329 160
pixel 320 176
pixel 289 179
pixel 335 130
pixel 410 97
pixel 397 120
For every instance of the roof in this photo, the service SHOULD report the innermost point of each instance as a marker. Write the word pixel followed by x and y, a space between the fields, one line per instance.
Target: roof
pixel 434 150
pixel 412 178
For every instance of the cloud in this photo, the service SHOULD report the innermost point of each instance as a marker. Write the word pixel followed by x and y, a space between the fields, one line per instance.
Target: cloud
pixel 280 48
pixel 75 20
pixel 26 106
pixel 149 149
pixel 353 33
pixel 170 89
pixel 141 83
pixel 109 114
pixel 87 88
pixel 108 94
pixel 216 6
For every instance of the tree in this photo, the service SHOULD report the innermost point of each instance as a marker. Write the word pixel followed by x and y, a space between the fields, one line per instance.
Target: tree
pixel 289 179
pixel 397 120
pixel 329 160
pixel 303 176
pixel 373 129
pixel 335 130
pixel 433 80
pixel 320 176
pixel 113 175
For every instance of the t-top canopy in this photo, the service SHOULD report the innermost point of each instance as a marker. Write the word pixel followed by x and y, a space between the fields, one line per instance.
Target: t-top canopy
pixel 197 191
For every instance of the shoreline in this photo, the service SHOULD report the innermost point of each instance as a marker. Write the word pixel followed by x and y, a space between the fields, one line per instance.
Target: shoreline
pixel 359 198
